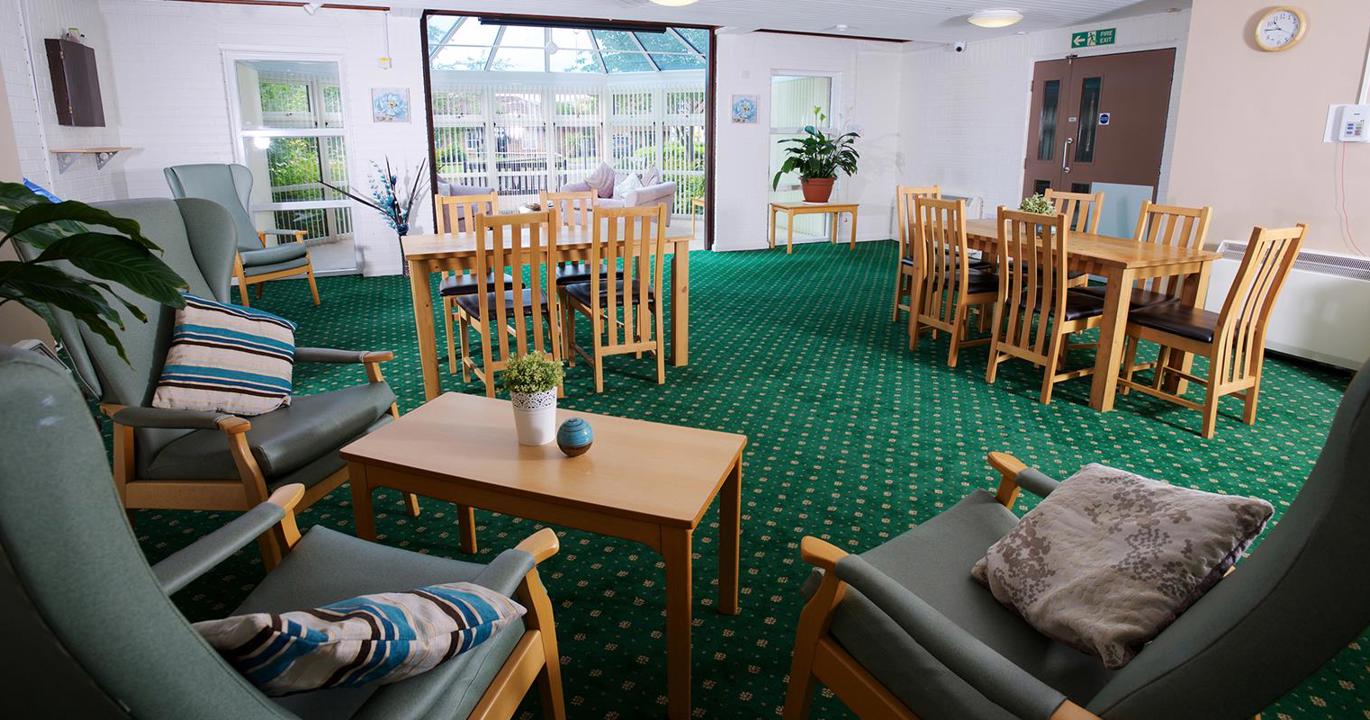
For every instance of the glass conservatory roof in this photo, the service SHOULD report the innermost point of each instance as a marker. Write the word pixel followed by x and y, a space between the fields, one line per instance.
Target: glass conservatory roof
pixel 468 43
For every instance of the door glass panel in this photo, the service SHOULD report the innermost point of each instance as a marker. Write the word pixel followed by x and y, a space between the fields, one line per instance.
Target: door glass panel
pixel 1089 118
pixel 1046 135
pixel 1040 186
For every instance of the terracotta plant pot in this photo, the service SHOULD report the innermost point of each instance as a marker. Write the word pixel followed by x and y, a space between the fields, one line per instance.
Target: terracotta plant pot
pixel 817 190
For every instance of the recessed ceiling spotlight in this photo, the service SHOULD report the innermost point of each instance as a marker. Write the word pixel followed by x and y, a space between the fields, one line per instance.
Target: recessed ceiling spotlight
pixel 311 7
pixel 995 18
pixel 840 27
pixel 675 3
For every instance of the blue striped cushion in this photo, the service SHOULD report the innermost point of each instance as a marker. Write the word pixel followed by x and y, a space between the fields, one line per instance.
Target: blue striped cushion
pixel 227 358
pixel 383 638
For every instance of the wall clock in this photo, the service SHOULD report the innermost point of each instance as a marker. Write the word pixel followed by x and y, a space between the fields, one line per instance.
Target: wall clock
pixel 1280 28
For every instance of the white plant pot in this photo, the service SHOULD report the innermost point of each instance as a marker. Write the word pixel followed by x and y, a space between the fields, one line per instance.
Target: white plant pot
pixel 535 416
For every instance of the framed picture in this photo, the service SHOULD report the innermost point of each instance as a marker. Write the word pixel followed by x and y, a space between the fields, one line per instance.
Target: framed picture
pixel 390 105
pixel 744 109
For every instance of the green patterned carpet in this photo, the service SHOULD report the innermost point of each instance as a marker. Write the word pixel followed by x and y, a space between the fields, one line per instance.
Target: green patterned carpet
pixel 852 438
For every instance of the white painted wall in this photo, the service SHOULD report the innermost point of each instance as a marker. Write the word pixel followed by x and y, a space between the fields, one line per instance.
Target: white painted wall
pixel 866 89
pixel 965 115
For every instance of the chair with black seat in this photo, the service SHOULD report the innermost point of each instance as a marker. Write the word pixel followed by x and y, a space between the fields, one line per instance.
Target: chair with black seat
pixel 904 273
pixel 191 460
pixel 946 287
pixel 456 212
pixel 903 631
pixel 1233 339
pixel 633 239
pixel 525 246
pixel 1037 308
pixel 1083 211
pixel 91 629
pixel 257 262
pixel 575 208
pixel 1168 226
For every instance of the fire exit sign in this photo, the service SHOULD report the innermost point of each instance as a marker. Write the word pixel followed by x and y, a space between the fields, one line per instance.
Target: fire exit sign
pixel 1091 38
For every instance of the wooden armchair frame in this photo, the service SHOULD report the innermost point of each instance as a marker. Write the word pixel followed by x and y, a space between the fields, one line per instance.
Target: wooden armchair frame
pixel 245 280
pixel 535 659
pixel 818 656
pixel 242 494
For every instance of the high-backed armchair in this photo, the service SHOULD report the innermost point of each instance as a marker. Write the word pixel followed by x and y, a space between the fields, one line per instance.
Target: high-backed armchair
pixel 257 262
pixel 902 630
pixel 180 459
pixel 91 631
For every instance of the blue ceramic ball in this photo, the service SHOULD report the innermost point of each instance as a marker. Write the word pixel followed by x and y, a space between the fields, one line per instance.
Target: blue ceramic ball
pixel 575 436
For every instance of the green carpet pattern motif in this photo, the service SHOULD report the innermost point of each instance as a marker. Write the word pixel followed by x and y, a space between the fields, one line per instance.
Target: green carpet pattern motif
pixel 851 438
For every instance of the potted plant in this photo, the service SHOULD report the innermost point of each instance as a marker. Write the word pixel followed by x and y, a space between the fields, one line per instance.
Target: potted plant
pixel 56 239
pixel 1037 204
pixel 817 157
pixel 532 382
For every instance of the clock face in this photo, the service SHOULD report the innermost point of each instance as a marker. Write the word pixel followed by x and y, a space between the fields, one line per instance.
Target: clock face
pixel 1279 29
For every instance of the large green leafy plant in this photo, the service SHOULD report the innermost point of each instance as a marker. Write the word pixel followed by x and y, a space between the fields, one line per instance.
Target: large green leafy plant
pixel 60 236
pixel 818 154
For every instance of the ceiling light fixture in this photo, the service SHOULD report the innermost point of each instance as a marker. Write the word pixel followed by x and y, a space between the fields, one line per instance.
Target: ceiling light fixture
pixel 311 7
pixel 675 3
pixel 996 18
pixel 840 27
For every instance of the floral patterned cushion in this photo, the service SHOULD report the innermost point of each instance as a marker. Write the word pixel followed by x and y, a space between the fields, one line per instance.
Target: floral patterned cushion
pixel 1109 559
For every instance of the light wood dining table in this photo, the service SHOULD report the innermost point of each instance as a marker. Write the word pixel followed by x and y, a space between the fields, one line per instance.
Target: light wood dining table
pixel 456 253
pixel 1122 261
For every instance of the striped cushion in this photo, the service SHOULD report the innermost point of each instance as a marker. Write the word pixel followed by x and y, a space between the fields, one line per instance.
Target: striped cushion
pixel 227 358
pixel 383 638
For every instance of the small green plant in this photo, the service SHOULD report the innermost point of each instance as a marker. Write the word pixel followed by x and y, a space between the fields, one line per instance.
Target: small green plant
pixel 1038 204
pixel 533 373
pixel 818 154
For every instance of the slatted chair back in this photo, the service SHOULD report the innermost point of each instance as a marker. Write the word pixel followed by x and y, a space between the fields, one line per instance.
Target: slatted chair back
pixel 524 244
pixel 574 208
pixel 1171 226
pixel 633 240
pixel 1082 210
pixel 905 195
pixel 1033 254
pixel 943 260
pixel 1240 335
pixel 457 213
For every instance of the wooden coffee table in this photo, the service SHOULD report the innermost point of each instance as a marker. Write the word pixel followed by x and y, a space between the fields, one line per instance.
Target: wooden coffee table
pixel 794 209
pixel 641 481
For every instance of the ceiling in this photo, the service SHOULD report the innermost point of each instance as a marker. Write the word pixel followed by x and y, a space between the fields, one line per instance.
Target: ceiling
pixel 940 21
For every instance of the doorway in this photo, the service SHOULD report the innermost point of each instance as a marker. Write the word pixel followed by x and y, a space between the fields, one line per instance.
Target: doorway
pixel 1098 119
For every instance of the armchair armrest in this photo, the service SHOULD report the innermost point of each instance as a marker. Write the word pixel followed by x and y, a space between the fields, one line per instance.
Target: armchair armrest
pixel 575 187
pixel 1015 475
pixel 189 563
pixel 299 234
pixel 147 417
pixel 990 673
pixel 329 355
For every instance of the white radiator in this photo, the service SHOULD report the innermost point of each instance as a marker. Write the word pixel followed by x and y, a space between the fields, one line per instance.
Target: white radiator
pixel 1322 314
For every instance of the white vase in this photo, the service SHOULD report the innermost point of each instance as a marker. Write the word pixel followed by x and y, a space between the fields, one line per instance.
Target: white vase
pixel 535 416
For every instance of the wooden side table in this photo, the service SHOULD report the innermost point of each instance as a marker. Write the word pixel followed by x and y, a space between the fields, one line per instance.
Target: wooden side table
pixel 695 203
pixel 792 209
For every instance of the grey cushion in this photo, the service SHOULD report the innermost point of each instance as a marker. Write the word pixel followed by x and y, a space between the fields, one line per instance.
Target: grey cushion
pixel 284 252
pixel 933 560
pixel 297 263
pixel 283 440
pixel 327 566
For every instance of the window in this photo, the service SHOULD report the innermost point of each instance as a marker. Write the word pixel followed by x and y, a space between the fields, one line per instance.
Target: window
pixel 798 101
pixel 290 127
pixel 1090 89
pixel 1046 133
pixel 468 43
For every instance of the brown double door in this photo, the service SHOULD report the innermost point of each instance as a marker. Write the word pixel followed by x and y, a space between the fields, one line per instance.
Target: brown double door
pixel 1098 119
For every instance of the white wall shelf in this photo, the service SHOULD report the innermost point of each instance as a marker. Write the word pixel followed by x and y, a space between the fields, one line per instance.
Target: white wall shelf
pixel 67 157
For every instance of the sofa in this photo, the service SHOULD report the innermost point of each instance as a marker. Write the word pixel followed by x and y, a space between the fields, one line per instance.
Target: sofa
pixel 653 191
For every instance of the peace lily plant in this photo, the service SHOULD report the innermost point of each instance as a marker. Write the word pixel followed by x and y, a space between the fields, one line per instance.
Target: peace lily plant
pixel 817 156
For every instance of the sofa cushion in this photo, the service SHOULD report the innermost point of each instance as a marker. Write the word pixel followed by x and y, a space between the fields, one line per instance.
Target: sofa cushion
pixel 285 252
pixel 651 176
pixel 629 183
pixel 602 180
pixel 226 358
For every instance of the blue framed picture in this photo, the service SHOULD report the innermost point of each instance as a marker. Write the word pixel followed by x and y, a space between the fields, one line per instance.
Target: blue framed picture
pixel 390 105
pixel 744 109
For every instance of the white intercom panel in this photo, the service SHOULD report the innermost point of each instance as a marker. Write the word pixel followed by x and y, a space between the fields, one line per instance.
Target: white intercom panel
pixel 1348 123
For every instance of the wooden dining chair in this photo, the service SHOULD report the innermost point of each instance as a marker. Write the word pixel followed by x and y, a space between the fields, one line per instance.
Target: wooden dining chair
pixel 1037 308
pixel 625 312
pixel 945 286
pixel 904 274
pixel 525 245
pixel 1232 339
pixel 1082 211
pixel 455 214
pixel 1168 226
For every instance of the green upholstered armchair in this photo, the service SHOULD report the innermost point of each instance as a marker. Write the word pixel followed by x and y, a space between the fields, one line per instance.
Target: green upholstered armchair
pixel 178 459
pixel 257 262
pixel 902 630
pixel 91 632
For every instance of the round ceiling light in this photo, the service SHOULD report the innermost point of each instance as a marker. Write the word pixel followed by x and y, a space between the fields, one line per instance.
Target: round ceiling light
pixel 675 3
pixel 996 18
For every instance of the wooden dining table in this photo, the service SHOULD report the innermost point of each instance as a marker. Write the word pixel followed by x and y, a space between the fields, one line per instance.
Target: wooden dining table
pixel 456 253
pixel 1122 262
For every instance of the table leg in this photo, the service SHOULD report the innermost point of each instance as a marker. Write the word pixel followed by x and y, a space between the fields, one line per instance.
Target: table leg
pixel 729 540
pixel 789 228
pixel 466 527
pixel 676 551
pixel 1112 333
pixel 853 230
pixel 836 221
pixel 693 220
pixel 772 224
pixel 1194 293
pixel 363 515
pixel 422 298
pixel 680 307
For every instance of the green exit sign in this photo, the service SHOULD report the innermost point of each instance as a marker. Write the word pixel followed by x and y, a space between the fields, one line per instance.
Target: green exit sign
pixel 1091 38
